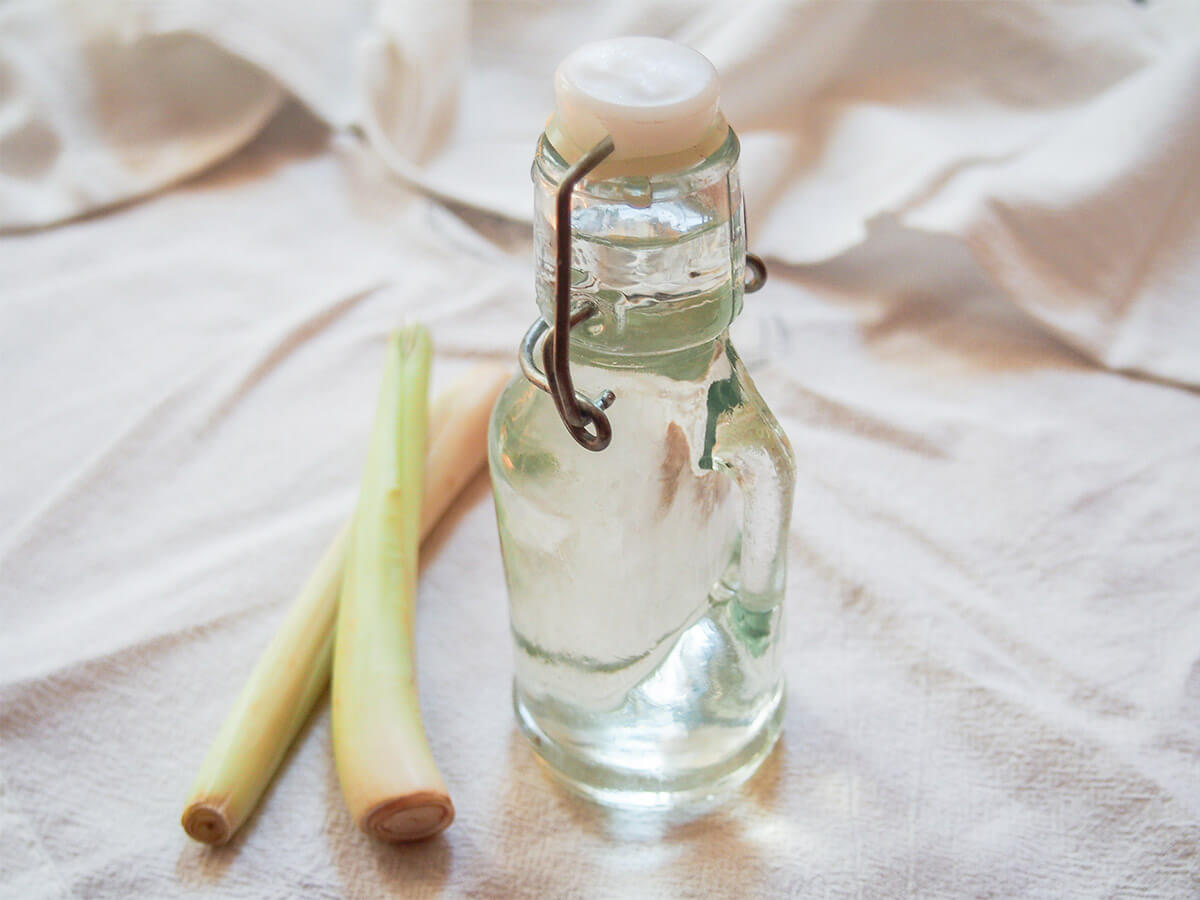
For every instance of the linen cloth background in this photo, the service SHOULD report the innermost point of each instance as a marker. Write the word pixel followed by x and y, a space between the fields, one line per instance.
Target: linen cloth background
pixel 981 333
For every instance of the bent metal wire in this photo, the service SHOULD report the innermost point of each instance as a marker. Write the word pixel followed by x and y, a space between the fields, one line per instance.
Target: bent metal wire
pixel 552 342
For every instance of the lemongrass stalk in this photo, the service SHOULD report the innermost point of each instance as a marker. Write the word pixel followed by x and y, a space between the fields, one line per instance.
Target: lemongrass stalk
pixel 390 782
pixel 295 667
pixel 285 684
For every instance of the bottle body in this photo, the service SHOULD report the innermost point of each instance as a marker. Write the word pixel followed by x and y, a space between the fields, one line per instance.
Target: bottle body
pixel 646 651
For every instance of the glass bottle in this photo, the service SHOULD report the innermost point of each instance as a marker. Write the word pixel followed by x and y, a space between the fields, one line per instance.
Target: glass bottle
pixel 645 580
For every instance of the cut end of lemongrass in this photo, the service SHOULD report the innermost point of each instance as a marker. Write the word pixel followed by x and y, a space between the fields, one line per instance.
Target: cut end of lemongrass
pixel 205 822
pixel 411 818
pixel 410 339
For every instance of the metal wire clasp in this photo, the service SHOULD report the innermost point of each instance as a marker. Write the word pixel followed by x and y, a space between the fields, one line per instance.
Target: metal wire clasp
pixel 553 341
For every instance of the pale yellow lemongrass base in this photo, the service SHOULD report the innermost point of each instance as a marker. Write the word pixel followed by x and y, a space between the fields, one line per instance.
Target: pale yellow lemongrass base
pixel 278 697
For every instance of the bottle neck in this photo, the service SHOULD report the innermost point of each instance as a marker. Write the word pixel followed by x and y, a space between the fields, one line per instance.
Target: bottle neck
pixel 628 336
pixel 661 258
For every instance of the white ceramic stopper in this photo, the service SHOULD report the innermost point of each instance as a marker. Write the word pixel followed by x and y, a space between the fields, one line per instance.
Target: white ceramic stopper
pixel 655 97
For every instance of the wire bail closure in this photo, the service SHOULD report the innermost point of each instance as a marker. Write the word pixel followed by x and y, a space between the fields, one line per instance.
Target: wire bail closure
pixel 552 342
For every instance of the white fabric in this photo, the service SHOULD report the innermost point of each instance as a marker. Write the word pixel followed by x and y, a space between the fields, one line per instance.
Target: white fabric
pixel 994 621
pixel 105 101
pixel 996 121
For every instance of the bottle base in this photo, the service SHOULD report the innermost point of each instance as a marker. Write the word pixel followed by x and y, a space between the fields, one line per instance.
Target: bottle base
pixel 656 784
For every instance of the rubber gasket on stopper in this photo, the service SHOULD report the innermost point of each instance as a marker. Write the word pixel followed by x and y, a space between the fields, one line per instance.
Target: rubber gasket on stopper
pixel 654 97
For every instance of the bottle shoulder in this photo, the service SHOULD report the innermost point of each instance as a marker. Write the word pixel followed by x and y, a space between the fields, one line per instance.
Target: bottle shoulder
pixel 655 412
